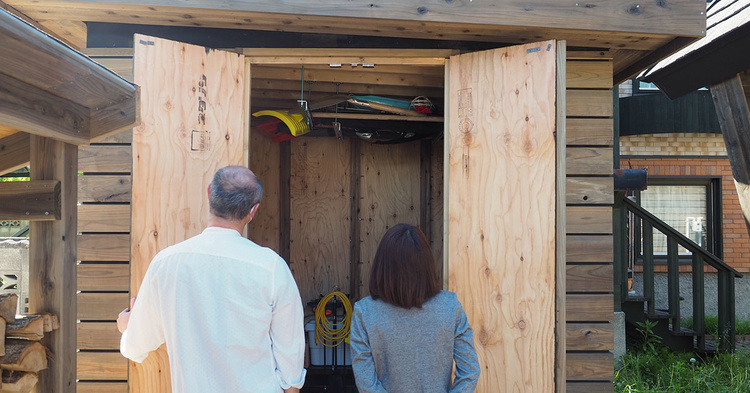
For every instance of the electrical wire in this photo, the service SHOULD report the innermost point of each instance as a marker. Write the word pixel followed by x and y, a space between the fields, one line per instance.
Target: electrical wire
pixel 326 332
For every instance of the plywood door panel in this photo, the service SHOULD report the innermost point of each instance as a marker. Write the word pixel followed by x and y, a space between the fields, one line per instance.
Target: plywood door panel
pixel 436 204
pixel 319 220
pixel 102 366
pixel 98 336
pixel 192 123
pixel 265 162
pixel 104 188
pixel 501 210
pixel 390 194
pixel 590 366
pixel 590 336
pixel 103 276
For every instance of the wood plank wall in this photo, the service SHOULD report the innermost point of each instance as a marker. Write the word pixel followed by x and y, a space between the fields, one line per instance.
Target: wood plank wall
pixel 103 275
pixel 589 197
pixel 104 253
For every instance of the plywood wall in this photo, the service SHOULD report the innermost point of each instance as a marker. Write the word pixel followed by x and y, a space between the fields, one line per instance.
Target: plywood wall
pixel 501 210
pixel 192 123
pixel 319 222
pixel 390 194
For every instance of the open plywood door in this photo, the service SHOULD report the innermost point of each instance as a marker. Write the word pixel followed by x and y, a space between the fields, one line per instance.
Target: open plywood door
pixel 192 123
pixel 501 176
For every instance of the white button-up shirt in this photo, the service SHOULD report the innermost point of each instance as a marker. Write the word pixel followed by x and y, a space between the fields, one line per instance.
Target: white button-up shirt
pixel 229 312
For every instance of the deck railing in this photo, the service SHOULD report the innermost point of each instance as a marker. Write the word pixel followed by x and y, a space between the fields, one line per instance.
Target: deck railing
pixel 645 223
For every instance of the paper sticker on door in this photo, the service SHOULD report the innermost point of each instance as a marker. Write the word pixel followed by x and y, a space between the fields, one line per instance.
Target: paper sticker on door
pixel 200 141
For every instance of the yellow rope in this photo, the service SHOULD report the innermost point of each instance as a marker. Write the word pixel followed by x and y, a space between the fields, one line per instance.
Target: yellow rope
pixel 328 333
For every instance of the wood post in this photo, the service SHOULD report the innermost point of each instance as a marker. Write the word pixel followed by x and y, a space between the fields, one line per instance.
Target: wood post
pixel 734 120
pixel 52 261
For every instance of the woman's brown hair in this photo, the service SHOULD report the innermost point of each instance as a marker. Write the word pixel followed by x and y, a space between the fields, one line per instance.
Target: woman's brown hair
pixel 403 271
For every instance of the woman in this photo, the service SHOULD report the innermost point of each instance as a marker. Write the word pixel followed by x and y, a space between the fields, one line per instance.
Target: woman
pixel 406 335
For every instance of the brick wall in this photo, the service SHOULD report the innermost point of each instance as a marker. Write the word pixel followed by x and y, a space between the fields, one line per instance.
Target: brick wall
pixel 673 145
pixel 734 231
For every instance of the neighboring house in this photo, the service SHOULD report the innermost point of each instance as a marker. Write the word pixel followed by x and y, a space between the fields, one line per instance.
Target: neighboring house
pixel 696 148
pixel 690 184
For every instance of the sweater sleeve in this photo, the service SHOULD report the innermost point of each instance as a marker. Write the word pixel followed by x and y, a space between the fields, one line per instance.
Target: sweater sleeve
pixel 465 355
pixel 287 330
pixel 145 331
pixel 363 365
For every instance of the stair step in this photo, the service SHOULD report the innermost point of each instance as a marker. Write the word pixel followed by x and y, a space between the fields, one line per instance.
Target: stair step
pixel 659 314
pixel 684 331
pixel 635 299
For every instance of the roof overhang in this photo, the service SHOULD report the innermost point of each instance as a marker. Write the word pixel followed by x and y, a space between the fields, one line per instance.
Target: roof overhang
pixel 635 35
pixel 721 54
pixel 49 89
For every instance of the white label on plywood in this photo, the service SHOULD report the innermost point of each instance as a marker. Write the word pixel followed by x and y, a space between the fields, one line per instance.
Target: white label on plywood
pixel 501 210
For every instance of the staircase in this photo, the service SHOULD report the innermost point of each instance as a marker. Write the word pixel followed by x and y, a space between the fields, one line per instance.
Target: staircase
pixel 642 307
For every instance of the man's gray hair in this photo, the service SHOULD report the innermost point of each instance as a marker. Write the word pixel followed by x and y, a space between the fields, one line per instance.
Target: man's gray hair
pixel 234 192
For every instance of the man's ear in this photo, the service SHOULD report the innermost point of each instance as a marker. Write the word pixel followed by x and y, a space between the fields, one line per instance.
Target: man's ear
pixel 254 210
pixel 208 191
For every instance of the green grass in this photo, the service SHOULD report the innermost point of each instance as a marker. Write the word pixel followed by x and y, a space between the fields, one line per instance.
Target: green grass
pixel 712 326
pixel 665 371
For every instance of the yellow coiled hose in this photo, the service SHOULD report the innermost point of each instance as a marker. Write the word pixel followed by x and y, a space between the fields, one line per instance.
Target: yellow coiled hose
pixel 326 332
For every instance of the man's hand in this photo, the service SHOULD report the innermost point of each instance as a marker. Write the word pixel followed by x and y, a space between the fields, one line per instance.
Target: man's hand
pixel 291 390
pixel 124 317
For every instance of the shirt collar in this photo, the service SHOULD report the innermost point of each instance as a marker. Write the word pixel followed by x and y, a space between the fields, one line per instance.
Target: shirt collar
pixel 220 230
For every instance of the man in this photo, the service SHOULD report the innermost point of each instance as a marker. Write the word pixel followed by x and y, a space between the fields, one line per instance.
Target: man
pixel 228 309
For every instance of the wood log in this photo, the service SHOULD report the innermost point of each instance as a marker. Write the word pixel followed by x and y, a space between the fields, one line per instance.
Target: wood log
pixel 24 355
pixel 8 306
pixel 51 322
pixel 2 337
pixel 29 327
pixel 18 381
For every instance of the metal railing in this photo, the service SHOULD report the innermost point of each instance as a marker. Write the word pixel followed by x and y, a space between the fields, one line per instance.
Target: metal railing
pixel 646 223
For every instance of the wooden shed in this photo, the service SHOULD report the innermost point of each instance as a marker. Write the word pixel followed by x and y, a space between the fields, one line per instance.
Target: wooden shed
pixel 514 189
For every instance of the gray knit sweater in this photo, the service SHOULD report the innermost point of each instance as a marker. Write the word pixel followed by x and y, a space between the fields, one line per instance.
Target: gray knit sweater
pixel 396 350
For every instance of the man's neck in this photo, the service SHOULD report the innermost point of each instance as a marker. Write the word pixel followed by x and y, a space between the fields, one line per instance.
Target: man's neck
pixel 214 221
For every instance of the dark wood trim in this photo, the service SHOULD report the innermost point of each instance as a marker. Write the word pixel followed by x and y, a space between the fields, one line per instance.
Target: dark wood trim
pixel 52 261
pixel 14 152
pixel 425 169
pixel 734 119
pixel 354 220
pixel 285 168
pixel 37 200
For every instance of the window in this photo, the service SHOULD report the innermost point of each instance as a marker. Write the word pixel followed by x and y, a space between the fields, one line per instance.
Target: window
pixel 691 206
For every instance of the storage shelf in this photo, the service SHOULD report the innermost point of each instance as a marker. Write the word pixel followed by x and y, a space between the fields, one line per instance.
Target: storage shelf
pixel 373 116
